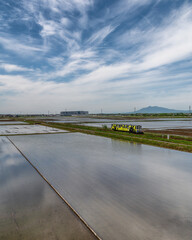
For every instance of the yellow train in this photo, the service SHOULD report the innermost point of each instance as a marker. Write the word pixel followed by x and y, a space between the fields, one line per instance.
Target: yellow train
pixel 127 128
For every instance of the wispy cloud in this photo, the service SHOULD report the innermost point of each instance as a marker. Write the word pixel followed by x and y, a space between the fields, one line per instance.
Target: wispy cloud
pixel 100 35
pixel 161 45
pixel 172 41
pixel 11 44
pixel 87 52
pixel 13 68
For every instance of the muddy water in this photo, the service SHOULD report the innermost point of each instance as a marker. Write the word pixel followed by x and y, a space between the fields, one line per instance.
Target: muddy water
pixel 29 208
pixel 123 191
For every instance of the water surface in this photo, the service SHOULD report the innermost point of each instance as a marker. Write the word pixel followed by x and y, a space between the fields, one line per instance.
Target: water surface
pixel 75 120
pixel 29 208
pixel 27 129
pixel 80 120
pixel 12 123
pixel 154 124
pixel 124 191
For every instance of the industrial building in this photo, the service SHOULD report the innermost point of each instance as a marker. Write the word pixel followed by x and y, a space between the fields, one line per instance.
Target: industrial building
pixel 71 113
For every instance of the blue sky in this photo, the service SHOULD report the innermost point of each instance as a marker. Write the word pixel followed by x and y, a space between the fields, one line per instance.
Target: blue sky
pixel 93 54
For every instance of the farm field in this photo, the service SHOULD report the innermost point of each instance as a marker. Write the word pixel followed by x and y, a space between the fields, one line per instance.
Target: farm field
pixel 89 187
pixel 95 120
pixel 156 125
pixel 12 123
pixel 122 190
pixel 29 208
pixel 26 129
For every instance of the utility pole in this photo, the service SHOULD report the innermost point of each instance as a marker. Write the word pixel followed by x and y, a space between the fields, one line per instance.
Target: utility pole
pixel 189 109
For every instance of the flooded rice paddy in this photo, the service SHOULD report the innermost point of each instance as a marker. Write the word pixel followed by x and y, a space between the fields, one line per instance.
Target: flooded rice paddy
pixel 88 120
pixel 27 129
pixel 12 123
pixel 122 190
pixel 79 120
pixel 29 208
pixel 156 125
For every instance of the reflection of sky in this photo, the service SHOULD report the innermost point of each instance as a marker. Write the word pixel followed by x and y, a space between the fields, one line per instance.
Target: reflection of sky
pixel 26 129
pixel 79 120
pixel 28 207
pixel 15 175
pixel 105 120
pixel 123 190
pixel 11 122
pixel 150 124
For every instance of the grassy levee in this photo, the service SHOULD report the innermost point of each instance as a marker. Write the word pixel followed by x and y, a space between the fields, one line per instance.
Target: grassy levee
pixel 158 140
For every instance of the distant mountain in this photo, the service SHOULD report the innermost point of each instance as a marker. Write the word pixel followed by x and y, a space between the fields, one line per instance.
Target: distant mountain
pixel 156 109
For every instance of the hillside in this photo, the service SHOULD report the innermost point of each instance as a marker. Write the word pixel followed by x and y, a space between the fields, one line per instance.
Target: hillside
pixel 156 109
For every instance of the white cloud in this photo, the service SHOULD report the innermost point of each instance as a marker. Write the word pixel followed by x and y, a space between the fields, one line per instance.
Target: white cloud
pixel 65 22
pixel 170 43
pixel 92 75
pixel 13 68
pixel 129 4
pixel 49 28
pixel 104 74
pixel 88 53
pixel 72 67
pixel 94 89
pixel 162 45
pixel 58 5
pixel 99 36
pixel 12 44
pixel 57 31
pixel 121 8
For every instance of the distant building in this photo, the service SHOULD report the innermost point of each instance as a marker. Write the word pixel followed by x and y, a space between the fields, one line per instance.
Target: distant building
pixel 70 113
